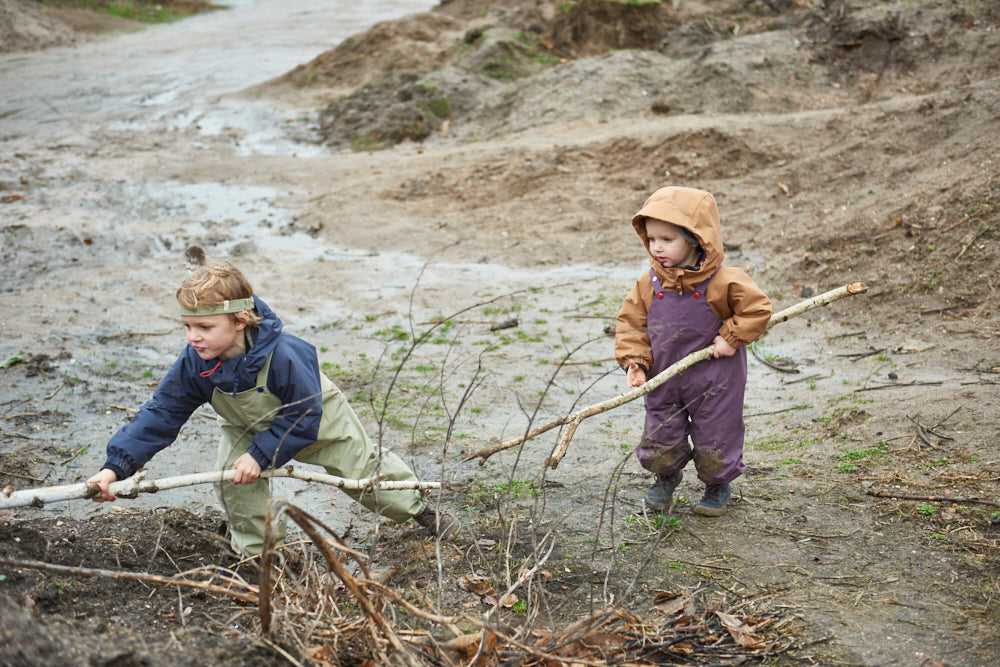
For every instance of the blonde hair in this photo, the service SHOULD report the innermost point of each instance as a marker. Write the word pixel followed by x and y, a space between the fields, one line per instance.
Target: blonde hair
pixel 208 286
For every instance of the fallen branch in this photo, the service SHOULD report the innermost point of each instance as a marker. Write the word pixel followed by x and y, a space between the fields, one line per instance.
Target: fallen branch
pixel 898 385
pixel 131 487
pixel 770 364
pixel 249 594
pixel 931 499
pixel 573 421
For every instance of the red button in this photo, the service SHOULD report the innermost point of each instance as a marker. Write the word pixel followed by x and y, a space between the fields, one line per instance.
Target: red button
pixel 697 295
pixel 660 295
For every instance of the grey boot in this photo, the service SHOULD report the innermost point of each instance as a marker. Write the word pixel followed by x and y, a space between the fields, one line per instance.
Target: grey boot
pixel 713 503
pixel 659 495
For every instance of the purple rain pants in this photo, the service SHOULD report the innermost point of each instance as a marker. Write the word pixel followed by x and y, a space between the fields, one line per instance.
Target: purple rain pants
pixel 704 403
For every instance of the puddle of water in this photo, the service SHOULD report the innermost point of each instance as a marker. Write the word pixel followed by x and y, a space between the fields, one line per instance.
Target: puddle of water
pixel 235 213
pixel 177 72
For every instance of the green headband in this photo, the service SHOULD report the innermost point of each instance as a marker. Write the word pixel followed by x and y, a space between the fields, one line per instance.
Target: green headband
pixel 226 307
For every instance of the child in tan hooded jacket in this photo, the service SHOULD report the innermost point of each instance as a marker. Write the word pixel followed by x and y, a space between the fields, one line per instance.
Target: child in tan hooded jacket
pixel 685 302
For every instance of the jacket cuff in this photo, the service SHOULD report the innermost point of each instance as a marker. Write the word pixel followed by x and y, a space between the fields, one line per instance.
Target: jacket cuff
pixel 262 460
pixel 727 335
pixel 120 466
pixel 640 364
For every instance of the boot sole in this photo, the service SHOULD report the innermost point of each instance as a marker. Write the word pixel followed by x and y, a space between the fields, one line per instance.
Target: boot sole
pixel 708 511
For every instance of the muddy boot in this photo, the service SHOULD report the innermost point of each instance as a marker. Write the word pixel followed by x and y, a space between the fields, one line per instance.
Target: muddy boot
pixel 441 525
pixel 658 496
pixel 713 503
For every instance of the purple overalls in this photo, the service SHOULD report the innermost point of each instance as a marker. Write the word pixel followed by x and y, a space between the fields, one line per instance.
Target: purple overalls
pixel 704 402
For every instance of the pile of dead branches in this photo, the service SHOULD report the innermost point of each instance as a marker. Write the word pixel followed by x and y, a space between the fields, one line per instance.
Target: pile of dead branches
pixel 334 611
pixel 318 603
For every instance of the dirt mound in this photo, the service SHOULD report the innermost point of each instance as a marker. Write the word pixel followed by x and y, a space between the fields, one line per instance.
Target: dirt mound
pixel 473 76
pixel 26 25
pixel 94 619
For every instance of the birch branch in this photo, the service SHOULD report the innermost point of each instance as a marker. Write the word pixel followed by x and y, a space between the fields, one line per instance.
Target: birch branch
pixel 572 421
pixel 135 485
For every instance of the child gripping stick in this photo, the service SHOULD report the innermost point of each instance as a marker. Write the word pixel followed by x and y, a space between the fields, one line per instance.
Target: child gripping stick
pixel 686 302
pixel 273 404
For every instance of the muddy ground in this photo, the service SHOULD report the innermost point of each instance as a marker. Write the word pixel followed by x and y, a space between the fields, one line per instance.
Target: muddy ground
pixel 470 165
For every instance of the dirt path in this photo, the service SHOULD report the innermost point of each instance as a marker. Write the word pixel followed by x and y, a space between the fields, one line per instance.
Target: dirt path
pixel 120 151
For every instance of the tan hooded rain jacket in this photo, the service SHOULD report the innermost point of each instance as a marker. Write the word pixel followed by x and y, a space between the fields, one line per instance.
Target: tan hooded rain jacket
pixel 743 308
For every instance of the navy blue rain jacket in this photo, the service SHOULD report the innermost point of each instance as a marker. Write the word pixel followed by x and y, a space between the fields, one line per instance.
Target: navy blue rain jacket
pixel 293 377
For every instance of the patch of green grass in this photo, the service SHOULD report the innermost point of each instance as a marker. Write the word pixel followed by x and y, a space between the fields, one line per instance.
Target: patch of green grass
pixel 439 106
pixel 395 332
pixel 877 449
pixel 137 10
pixel 365 143
pixel 519 488
pixel 654 523
pixel 926 510
pixel 781 443
pixel 788 462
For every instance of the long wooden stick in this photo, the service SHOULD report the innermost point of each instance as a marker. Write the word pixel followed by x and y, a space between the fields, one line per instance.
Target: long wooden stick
pixel 136 484
pixel 249 595
pixel 572 421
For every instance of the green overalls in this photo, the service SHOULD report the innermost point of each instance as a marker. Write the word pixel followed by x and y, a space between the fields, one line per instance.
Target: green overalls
pixel 343 449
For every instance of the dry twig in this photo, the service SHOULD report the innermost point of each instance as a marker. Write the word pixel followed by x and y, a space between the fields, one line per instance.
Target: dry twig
pixel 930 499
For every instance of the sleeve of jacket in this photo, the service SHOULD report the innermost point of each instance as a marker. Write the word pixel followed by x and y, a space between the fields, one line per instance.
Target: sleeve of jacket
pixel 157 423
pixel 631 335
pixel 749 306
pixel 293 378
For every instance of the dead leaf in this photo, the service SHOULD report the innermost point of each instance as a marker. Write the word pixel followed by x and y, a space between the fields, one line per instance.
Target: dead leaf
pixel 477 584
pixel 738 630
pixel 674 603
pixel 468 645
pixel 319 655
pixel 683 647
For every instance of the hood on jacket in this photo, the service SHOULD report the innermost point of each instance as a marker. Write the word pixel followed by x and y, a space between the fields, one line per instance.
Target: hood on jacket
pixel 693 210
pixel 265 337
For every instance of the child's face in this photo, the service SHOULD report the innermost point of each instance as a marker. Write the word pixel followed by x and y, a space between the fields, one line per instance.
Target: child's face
pixel 215 336
pixel 668 246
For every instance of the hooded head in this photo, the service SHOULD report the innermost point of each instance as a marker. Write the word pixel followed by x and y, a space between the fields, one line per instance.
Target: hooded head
pixel 691 211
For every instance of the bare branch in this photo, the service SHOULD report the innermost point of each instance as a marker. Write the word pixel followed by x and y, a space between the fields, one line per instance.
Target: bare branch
pixel 135 485
pixel 573 420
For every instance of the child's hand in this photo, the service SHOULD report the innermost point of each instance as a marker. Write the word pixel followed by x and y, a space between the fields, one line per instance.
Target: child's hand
pixel 635 376
pixel 103 479
pixel 247 470
pixel 722 348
